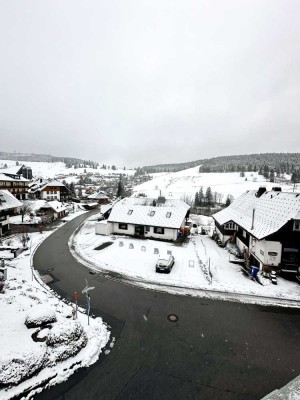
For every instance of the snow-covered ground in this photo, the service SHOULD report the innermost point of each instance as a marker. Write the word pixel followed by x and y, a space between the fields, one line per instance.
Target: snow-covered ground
pixel 187 182
pixel 28 298
pixel 199 265
pixel 52 170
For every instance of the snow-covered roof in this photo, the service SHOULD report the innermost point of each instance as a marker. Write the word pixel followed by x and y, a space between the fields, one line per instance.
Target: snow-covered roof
pixel 272 210
pixel 51 184
pixel 13 170
pixel 8 201
pixel 98 195
pixel 55 205
pixel 9 178
pixel 132 210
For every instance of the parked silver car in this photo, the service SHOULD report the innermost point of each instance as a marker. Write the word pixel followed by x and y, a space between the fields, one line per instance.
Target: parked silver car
pixel 165 263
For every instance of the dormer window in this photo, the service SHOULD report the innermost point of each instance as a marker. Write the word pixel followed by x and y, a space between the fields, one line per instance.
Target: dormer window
pixel 130 212
pixel 297 225
pixel 230 225
pixel 168 215
pixel 152 213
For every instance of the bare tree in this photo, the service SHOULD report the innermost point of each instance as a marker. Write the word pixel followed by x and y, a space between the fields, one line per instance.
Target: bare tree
pixel 22 233
pixel 25 209
pixel 188 199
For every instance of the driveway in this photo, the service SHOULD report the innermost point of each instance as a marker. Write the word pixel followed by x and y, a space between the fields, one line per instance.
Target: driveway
pixel 209 350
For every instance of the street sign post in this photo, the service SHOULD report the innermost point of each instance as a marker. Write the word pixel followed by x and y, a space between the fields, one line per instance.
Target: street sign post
pixel 86 290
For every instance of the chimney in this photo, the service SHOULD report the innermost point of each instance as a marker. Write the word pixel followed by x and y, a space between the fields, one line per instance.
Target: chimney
pixel 261 191
pixel 253 215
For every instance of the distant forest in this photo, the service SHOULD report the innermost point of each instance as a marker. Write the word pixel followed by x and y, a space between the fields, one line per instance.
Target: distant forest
pixel 69 161
pixel 278 163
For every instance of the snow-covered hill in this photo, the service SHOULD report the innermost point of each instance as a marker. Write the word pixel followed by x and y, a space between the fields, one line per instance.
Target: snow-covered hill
pixel 187 182
pixel 53 170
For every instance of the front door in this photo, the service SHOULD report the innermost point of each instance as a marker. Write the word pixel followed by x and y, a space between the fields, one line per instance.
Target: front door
pixel 139 230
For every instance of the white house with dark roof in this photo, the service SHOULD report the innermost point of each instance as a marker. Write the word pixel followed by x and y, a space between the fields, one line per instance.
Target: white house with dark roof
pixel 53 190
pixel 147 218
pixel 265 226
pixel 101 197
pixel 55 209
pixel 8 202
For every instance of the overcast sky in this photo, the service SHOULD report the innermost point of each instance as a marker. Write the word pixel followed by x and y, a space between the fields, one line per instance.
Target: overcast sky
pixel 135 82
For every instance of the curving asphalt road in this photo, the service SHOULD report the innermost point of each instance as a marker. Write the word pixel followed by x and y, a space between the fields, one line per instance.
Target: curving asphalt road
pixel 216 349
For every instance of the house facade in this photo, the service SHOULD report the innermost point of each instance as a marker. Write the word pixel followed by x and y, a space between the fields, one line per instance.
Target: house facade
pixel 15 184
pixel 101 197
pixel 7 203
pixel 266 228
pixel 146 218
pixel 53 190
pixel 52 210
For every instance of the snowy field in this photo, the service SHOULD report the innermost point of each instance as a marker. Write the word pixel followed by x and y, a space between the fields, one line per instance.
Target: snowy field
pixel 40 351
pixel 199 265
pixel 187 182
pixel 51 170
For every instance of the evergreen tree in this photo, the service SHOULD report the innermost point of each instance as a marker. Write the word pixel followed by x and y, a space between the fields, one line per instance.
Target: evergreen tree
pixel 228 200
pixel 208 196
pixel 295 177
pixel 72 189
pixel 120 190
pixel 196 199
pixel 201 196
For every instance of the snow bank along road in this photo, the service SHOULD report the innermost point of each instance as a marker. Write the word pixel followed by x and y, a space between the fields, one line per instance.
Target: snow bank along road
pixel 213 349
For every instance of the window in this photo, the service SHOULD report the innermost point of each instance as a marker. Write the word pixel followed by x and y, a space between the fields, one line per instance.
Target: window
pixel 297 225
pixel 123 226
pixel 230 225
pixel 159 230
pixel 152 213
pixel 244 234
pixel 168 215
pixel 130 212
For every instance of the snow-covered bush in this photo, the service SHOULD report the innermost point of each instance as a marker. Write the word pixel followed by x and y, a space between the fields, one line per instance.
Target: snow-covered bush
pixel 40 315
pixel 66 339
pixel 21 366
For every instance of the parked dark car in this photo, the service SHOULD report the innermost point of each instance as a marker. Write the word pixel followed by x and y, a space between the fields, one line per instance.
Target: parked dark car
pixel 165 263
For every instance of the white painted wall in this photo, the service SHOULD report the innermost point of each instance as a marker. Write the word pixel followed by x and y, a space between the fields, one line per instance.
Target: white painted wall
pixel 269 253
pixel 53 196
pixel 222 237
pixel 128 231
pixel 169 234
pixel 103 228
pixel 241 245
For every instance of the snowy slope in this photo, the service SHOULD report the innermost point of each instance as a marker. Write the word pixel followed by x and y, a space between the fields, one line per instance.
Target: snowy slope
pixel 189 181
pixel 51 170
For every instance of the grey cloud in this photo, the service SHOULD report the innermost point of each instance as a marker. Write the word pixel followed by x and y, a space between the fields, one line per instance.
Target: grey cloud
pixel 140 82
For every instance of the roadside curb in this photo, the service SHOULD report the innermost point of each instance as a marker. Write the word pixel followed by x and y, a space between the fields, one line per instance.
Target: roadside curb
pixel 290 391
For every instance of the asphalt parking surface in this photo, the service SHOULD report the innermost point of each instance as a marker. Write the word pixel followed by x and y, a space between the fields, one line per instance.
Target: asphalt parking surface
pixel 212 350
